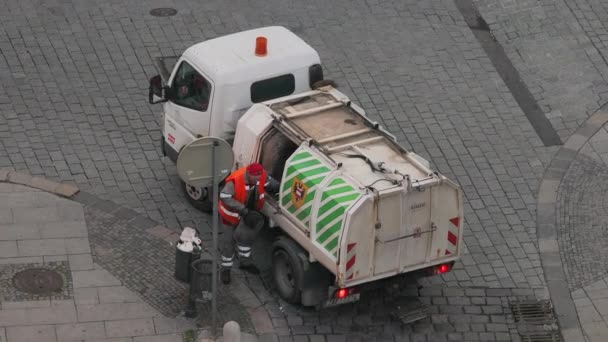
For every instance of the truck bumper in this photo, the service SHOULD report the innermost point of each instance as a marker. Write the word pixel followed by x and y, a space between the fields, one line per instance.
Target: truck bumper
pixel 401 279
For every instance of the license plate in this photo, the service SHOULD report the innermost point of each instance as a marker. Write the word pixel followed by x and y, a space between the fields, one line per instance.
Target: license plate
pixel 339 301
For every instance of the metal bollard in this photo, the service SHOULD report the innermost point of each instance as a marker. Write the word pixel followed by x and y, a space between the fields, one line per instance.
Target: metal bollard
pixel 232 332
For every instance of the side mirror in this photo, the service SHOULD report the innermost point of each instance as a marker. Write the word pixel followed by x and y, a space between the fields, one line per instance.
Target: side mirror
pixel 156 90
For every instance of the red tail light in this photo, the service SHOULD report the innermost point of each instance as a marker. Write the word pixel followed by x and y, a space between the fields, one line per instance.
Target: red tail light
pixel 341 293
pixel 443 268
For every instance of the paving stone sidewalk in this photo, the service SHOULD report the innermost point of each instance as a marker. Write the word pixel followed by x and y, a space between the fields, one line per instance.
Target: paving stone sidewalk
pixel 75 76
pixel 591 303
pixel 559 49
pixel 573 225
pixel 583 233
pixel 116 291
pixel 42 230
pixel 73 108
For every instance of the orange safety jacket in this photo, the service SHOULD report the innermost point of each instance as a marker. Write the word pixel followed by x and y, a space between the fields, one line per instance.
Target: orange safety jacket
pixel 240 194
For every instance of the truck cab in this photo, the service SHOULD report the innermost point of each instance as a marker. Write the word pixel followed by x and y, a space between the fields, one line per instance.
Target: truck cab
pixel 206 90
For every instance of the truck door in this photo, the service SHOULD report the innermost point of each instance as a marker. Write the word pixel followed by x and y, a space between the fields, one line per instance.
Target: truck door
pixel 188 111
pixel 403 239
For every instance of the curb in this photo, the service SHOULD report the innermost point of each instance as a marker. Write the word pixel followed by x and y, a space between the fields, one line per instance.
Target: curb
pixel 547 232
pixel 61 189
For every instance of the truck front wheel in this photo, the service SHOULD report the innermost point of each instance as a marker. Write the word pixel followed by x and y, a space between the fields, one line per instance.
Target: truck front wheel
pixel 287 270
pixel 198 197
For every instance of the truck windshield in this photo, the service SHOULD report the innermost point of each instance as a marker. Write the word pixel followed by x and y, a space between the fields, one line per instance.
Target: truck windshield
pixel 191 89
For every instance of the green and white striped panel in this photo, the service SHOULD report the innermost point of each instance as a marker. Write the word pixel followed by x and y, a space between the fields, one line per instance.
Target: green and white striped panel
pixel 307 172
pixel 336 198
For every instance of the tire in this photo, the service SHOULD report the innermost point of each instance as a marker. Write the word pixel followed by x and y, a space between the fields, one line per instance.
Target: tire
pixel 199 198
pixel 287 270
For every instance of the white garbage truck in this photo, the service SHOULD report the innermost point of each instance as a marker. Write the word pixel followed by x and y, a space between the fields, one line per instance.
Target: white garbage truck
pixel 354 207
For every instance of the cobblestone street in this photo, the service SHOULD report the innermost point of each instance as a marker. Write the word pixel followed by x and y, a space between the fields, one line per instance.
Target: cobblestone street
pixel 74 109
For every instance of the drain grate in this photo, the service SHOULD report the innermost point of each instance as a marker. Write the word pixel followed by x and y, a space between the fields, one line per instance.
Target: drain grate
pixel 163 12
pixel 536 321
pixel 533 312
pixel 38 281
pixel 541 336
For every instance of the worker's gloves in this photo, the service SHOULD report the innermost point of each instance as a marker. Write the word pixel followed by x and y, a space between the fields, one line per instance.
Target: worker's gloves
pixel 244 212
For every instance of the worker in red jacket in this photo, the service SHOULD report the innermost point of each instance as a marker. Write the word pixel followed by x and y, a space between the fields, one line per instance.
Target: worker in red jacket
pixel 244 191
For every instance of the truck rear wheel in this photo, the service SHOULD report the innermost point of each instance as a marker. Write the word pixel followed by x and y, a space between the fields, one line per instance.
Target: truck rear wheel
pixel 198 197
pixel 287 270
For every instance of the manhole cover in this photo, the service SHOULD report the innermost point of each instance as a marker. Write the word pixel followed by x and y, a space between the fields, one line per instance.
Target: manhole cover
pixel 163 12
pixel 38 281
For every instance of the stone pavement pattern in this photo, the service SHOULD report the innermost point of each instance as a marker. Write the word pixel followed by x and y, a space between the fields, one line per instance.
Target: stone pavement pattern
pixel 96 305
pixel 582 230
pixel 38 229
pixel 592 306
pixel 73 108
pixel 75 77
pixel 558 47
pixel 142 256
pixel 583 221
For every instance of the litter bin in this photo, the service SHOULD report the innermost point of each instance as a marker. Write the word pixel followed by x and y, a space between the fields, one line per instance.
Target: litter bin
pixel 200 284
pixel 201 272
pixel 183 259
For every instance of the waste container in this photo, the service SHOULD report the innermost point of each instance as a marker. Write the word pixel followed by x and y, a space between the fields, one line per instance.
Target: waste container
pixel 187 249
pixel 182 263
pixel 200 284
pixel 201 277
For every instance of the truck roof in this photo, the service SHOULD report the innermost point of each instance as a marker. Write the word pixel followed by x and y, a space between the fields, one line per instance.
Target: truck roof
pixel 343 133
pixel 232 58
